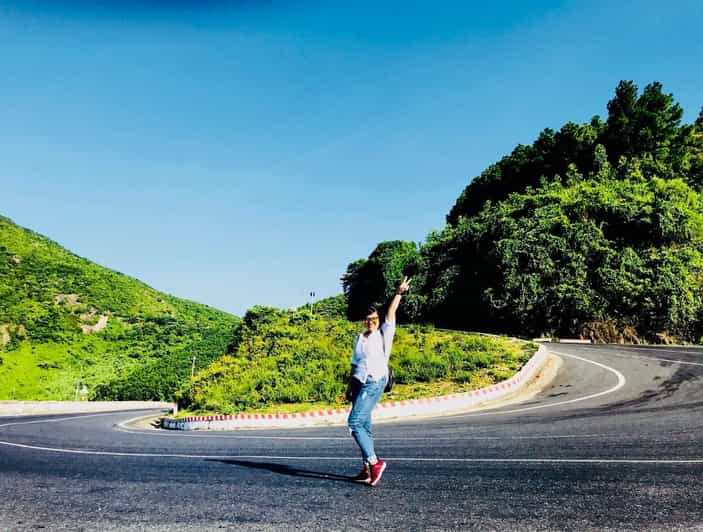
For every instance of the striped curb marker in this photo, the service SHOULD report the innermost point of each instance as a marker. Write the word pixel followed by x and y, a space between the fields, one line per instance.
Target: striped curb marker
pixel 387 410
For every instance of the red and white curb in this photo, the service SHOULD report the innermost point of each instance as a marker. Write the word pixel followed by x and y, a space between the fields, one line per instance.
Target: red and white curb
pixel 388 410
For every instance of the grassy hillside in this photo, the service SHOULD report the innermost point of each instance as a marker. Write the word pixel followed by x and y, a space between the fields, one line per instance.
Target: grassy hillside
pixel 65 320
pixel 291 361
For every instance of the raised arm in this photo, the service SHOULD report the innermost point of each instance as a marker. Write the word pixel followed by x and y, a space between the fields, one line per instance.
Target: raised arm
pixel 395 302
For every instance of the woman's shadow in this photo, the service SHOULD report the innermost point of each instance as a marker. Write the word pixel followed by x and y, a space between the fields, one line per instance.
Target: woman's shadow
pixel 283 469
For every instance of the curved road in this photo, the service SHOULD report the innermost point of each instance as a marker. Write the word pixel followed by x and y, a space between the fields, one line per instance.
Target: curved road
pixel 612 443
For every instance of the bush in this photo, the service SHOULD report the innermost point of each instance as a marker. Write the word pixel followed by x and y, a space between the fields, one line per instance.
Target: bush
pixel 296 357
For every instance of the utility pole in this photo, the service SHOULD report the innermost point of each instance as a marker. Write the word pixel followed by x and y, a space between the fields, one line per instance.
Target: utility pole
pixel 192 368
pixel 312 302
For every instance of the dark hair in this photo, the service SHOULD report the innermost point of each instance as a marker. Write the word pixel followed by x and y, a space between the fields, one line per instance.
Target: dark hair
pixel 371 310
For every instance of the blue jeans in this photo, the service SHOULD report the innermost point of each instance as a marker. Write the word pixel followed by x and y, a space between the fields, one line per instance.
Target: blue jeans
pixel 360 416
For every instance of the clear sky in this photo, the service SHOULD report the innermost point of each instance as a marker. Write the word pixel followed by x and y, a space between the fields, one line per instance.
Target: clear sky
pixel 242 153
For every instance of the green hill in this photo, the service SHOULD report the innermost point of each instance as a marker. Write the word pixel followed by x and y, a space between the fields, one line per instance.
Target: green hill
pixel 594 230
pixel 66 322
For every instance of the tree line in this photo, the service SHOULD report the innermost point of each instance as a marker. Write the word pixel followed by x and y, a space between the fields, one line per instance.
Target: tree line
pixel 594 230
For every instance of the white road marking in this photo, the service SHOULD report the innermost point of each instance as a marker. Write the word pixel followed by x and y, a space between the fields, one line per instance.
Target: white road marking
pixel 56 420
pixel 411 438
pixel 658 350
pixel 356 458
pixel 622 355
pixel 621 382
pixel 333 438
pixel 381 438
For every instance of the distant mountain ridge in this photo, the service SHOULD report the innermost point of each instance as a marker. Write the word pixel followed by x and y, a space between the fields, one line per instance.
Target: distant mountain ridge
pixel 66 322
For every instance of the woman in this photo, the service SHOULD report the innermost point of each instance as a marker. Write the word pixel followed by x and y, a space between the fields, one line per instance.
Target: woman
pixel 369 374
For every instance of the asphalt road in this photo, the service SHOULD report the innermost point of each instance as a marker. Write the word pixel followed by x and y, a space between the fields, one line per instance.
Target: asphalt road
pixel 613 443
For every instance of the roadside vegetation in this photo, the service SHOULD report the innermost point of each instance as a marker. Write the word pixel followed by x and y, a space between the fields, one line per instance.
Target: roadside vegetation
pixel 594 230
pixel 51 302
pixel 293 361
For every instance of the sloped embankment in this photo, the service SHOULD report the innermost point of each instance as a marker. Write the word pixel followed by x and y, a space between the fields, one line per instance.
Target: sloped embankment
pixel 66 322
pixel 295 361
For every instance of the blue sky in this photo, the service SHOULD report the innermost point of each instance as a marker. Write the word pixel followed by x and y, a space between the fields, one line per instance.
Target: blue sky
pixel 242 153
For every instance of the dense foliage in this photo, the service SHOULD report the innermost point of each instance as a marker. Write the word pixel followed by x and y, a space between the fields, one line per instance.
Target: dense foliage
pixel 297 357
pixel 334 307
pixel 595 230
pixel 52 307
pixel 373 281
pixel 647 127
pixel 559 259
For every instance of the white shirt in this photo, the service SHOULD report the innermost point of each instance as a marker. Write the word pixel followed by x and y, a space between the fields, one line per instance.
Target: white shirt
pixel 370 357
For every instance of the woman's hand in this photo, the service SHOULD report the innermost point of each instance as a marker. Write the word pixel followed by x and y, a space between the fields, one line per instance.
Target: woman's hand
pixel 404 286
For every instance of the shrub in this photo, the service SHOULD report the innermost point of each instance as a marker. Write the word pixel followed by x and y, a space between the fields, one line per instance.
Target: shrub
pixel 297 357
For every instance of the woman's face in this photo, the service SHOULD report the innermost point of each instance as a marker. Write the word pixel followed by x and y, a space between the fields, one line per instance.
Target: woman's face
pixel 371 322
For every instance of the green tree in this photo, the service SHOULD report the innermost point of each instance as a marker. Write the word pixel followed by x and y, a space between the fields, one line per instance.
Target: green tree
pixel 648 127
pixel 334 307
pixel 373 281
pixel 695 143
pixel 645 126
pixel 618 248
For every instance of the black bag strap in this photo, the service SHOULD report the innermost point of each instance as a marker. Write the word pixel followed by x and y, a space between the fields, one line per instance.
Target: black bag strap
pixel 391 379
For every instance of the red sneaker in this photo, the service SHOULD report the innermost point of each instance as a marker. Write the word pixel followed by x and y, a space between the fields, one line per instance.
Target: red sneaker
pixel 377 470
pixel 364 475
